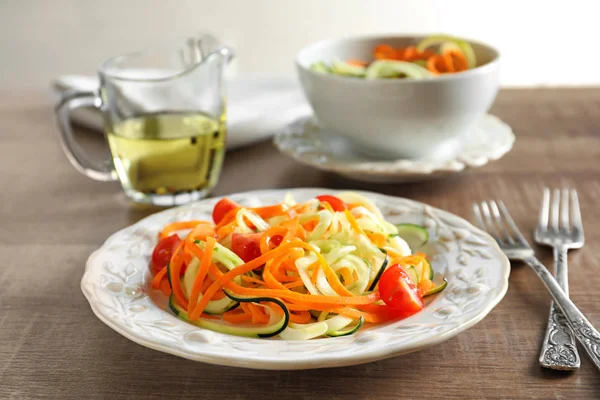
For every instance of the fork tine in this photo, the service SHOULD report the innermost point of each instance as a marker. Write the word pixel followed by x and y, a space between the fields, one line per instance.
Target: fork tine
pixel 554 211
pixel 478 217
pixel 487 216
pixel 482 222
pixel 564 210
pixel 499 224
pixel 575 211
pixel 512 227
pixel 545 210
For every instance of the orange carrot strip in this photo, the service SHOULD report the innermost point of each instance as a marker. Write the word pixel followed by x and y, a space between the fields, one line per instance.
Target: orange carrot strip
pixel 174 275
pixel 236 316
pixel 202 270
pixel 426 54
pixel 347 275
pixel 290 265
pixel 411 260
pixel 394 254
pixel 286 263
pixel 292 226
pixel 206 284
pixel 263 212
pixel 448 62
pixel 219 295
pixel 279 274
pixel 313 278
pixel 310 225
pixel 354 223
pixel 227 218
pixel 194 250
pixel 358 63
pixel 459 60
pixel 431 64
pixel 250 279
pixel 158 278
pixel 294 284
pixel 268 276
pixel 271 282
pixel 177 226
pixel 327 206
pixel 385 52
pixel 330 274
pixel 214 272
pixel 258 314
pixel 201 232
pixel 378 239
pixel 165 287
pixel 300 317
pixel 226 230
pixel 265 239
pixel 440 64
pixel 410 54
pixel 425 285
pixel 333 279
pixel 271 211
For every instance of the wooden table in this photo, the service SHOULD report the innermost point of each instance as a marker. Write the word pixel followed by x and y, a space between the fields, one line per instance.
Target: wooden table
pixel 52 218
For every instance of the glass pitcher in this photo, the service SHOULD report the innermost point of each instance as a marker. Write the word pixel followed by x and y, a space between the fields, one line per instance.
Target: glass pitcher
pixel 164 118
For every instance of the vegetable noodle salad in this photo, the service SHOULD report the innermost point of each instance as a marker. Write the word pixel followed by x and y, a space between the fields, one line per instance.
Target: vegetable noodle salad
pixel 433 56
pixel 314 269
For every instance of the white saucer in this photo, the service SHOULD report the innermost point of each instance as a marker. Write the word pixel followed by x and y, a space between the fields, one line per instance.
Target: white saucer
pixel 307 143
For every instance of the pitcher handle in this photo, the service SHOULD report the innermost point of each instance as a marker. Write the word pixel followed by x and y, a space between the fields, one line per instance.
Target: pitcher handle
pixel 74 152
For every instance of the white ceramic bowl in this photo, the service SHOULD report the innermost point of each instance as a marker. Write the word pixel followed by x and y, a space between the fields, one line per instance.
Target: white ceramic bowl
pixel 398 118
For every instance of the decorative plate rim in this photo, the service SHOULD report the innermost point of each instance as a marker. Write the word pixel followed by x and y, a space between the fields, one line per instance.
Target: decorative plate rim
pixel 396 168
pixel 376 339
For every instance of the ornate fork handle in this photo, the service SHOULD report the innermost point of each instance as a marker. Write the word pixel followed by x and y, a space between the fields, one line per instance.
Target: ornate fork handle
pixel 559 350
pixel 587 335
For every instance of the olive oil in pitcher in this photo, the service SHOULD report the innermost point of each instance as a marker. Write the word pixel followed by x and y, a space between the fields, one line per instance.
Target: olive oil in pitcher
pixel 168 153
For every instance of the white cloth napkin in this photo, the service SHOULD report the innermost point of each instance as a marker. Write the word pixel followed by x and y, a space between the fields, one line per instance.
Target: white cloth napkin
pixel 256 109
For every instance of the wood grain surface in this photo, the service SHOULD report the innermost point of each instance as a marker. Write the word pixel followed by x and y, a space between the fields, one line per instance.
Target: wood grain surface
pixel 52 218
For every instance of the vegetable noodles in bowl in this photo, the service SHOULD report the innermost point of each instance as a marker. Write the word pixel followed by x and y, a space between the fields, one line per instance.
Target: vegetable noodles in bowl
pixel 432 56
pixel 324 267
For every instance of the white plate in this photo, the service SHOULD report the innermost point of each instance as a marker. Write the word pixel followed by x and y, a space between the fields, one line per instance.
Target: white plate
pixel 116 283
pixel 307 143
pixel 256 109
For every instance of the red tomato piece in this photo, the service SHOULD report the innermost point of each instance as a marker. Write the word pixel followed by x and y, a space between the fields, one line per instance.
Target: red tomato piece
pixel 164 251
pixel 276 240
pixel 334 202
pixel 246 245
pixel 222 208
pixel 399 292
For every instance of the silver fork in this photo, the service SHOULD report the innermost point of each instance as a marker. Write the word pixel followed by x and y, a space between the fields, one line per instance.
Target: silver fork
pixel 561 232
pixel 494 218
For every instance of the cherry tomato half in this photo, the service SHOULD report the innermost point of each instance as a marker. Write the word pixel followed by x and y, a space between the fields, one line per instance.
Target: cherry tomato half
pixel 334 202
pixel 222 208
pixel 399 292
pixel 246 245
pixel 164 251
pixel 276 240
